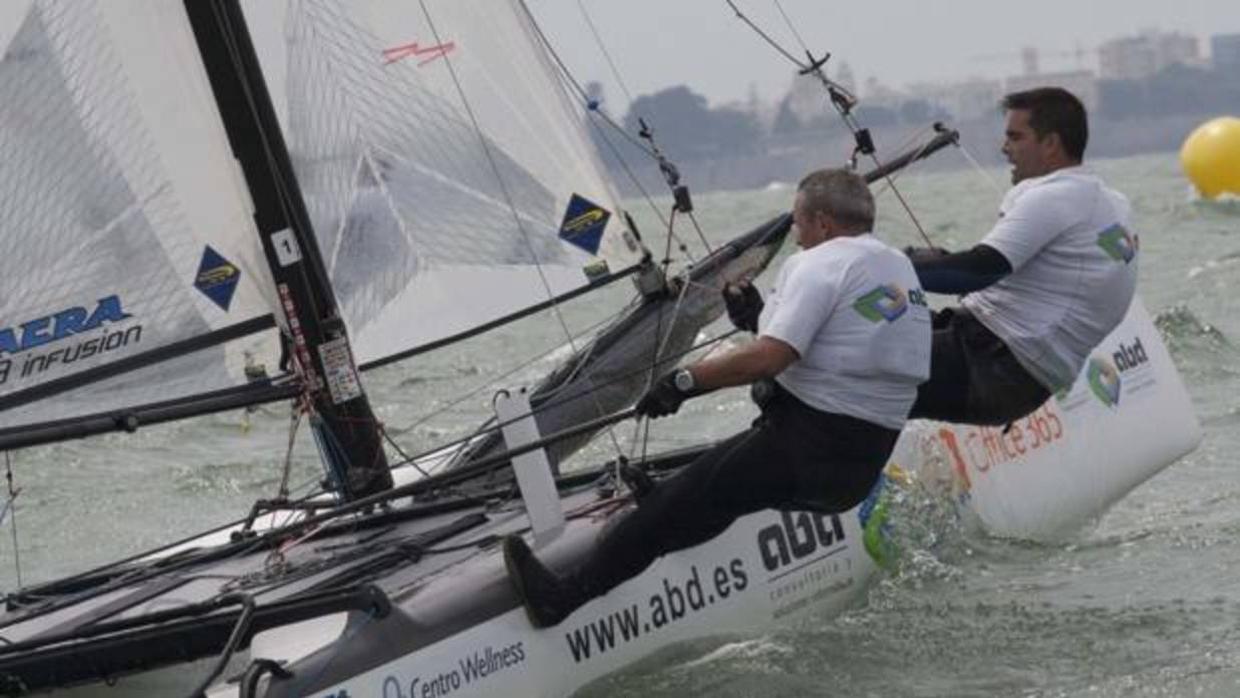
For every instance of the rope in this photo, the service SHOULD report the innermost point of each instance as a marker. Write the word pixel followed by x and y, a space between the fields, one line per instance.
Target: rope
pixel 606 54
pixel 576 86
pixel 555 307
pixel 654 363
pixel 308 486
pixel 499 178
pixel 791 27
pixel 593 107
pixel 919 134
pixel 766 37
pixel 815 68
pixel 10 508
pixel 985 174
pixel 644 370
pixel 701 235
pixel 298 408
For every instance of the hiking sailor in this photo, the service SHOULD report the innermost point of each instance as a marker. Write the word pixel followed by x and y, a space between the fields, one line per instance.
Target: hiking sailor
pixel 846 337
pixel 1044 287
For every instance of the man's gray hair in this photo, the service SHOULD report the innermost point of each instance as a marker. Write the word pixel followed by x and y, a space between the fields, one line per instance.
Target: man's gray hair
pixel 842 195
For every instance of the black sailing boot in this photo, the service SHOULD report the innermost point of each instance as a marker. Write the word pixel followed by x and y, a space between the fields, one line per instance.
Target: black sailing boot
pixel 540 590
pixel 638 482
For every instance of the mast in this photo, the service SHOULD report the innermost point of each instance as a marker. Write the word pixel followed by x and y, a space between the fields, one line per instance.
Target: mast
pixel 345 426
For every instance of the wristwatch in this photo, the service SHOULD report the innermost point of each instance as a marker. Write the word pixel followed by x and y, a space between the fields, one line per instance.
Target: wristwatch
pixel 683 380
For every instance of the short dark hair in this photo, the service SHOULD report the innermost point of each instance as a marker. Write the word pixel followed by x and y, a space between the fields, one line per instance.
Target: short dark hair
pixel 841 194
pixel 1054 110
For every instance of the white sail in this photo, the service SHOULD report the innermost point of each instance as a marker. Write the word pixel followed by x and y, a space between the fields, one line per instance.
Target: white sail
pixel 442 163
pixel 125 226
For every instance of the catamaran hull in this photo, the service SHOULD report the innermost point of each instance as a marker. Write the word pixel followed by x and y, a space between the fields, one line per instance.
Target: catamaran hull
pixel 1126 418
pixel 768 568
pixel 455 627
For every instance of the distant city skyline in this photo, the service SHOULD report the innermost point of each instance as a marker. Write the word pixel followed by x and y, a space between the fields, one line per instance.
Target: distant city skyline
pixel 701 43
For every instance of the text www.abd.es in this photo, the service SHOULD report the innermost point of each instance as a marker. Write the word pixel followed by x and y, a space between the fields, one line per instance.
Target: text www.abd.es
pixel 674 601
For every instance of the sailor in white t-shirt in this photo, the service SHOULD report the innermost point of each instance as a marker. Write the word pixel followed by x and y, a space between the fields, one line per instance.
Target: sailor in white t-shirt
pixel 1044 287
pixel 846 338
pixel 853 310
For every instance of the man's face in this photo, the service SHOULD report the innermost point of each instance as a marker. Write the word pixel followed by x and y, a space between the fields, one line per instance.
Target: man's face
pixel 811 227
pixel 1030 156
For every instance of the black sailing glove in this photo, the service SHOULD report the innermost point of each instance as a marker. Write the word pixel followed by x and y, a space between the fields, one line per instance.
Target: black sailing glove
pixel 744 305
pixel 663 398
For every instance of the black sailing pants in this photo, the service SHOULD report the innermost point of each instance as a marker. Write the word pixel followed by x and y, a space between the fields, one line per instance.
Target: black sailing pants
pixel 793 457
pixel 974 377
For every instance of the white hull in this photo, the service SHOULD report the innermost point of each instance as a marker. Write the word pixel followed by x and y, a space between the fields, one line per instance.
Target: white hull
pixel 454 628
pixel 768 568
pixel 1126 418
pixel 1048 474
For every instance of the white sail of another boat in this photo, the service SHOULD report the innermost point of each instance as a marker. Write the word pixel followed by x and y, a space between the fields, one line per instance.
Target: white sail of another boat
pixel 131 263
pixel 126 226
pixel 441 161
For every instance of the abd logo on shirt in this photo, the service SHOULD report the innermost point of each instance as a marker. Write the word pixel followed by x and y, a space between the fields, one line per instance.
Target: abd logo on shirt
pixel 887 303
pixel 1118 243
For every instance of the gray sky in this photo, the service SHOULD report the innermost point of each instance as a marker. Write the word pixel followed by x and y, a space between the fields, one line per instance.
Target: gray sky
pixel 657 43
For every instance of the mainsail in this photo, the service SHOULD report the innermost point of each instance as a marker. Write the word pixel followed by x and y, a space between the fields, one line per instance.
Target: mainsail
pixel 127 230
pixel 441 161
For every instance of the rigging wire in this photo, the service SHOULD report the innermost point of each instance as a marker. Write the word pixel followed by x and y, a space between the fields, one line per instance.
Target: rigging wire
pixel 481 431
pixel 642 371
pixel 593 107
pixel 576 85
pixel 606 54
pixel 555 307
pixel 791 27
pixel 918 135
pixel 298 408
pixel 660 343
pixel 842 100
pixel 654 364
pixel 985 174
pixel 766 37
pixel 602 116
pixel 10 508
pixel 469 395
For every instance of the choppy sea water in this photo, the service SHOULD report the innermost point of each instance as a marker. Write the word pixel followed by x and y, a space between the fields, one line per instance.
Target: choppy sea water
pixel 1145 602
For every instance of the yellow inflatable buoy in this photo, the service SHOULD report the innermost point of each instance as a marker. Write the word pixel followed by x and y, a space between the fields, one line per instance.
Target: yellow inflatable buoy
pixel 1210 157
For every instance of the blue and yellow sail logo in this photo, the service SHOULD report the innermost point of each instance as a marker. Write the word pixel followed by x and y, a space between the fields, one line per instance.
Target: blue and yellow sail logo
pixel 583 224
pixel 886 302
pixel 217 278
pixel 1118 243
pixel 1104 381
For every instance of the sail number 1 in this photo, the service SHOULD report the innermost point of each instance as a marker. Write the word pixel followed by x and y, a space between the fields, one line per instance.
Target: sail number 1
pixel 287 251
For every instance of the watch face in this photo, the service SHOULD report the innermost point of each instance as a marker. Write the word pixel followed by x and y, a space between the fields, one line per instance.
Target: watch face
pixel 684 380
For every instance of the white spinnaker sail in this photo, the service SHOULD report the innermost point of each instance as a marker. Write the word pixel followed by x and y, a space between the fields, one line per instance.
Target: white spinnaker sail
pixel 439 157
pixel 125 224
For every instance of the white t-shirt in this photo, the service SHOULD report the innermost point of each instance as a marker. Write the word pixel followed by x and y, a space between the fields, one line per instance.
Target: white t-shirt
pixel 1074 271
pixel 855 313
